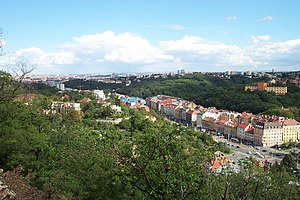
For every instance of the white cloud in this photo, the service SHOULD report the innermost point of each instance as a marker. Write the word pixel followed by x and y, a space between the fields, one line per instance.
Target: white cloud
pixel 2 43
pixel 196 49
pixel 266 19
pixel 259 39
pixel 110 52
pixel 35 55
pixel 124 47
pixel 177 27
pixel 266 52
pixel 232 18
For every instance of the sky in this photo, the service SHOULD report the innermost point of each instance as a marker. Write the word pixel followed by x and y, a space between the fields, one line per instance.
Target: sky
pixel 95 36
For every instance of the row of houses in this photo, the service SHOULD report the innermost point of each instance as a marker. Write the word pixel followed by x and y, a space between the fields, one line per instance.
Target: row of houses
pixel 261 130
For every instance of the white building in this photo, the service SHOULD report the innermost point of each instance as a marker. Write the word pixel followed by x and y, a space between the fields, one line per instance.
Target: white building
pixel 99 94
pixel 61 86
pixel 116 108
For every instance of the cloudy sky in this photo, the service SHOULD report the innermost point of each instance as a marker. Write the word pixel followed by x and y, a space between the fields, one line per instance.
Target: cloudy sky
pixel 94 36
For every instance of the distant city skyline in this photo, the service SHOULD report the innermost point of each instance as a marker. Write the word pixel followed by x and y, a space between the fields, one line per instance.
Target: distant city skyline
pixel 132 36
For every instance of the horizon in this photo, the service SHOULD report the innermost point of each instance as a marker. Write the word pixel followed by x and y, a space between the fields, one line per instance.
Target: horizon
pixel 63 36
pixel 165 72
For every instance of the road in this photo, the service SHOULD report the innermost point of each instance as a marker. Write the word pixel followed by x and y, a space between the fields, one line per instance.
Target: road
pixel 259 153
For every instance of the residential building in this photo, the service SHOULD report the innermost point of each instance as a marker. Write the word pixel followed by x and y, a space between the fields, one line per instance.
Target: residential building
pixel 178 111
pixel 116 108
pixel 249 135
pixel 268 133
pixel 241 130
pixel 208 123
pixel 63 107
pixel 191 116
pixel 278 90
pixel 61 86
pixel 290 131
pixel 99 94
pixel 222 124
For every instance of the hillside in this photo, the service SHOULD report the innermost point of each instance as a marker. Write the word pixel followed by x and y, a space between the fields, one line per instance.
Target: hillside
pixel 209 91
pixel 74 154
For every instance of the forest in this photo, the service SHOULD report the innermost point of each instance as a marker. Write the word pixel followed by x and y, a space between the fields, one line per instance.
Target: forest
pixel 74 155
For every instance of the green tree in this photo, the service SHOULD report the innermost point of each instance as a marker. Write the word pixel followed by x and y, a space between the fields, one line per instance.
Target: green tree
pixel 163 164
pixel 289 162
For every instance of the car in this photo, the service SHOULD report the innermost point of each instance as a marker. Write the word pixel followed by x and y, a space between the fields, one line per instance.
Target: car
pixel 257 148
pixel 237 147
pixel 264 150
pixel 261 156
pixel 249 152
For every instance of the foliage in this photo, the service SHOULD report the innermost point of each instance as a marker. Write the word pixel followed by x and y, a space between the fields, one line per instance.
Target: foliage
pixel 209 91
pixel 82 158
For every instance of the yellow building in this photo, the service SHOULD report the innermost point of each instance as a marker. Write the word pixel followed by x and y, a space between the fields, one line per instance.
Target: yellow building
pixel 276 90
pixel 264 86
pixel 290 131
pixel 250 87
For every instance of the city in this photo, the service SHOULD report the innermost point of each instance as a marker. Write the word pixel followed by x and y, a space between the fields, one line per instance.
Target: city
pixel 151 99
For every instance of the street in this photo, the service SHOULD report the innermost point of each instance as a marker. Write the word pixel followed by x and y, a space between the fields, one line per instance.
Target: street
pixel 243 151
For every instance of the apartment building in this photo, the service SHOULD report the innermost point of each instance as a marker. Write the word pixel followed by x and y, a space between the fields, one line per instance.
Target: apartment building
pixel 268 133
pixel 278 90
pixel 290 131
pixel 241 131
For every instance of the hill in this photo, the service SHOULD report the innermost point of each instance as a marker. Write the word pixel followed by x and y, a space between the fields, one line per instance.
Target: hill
pixel 209 91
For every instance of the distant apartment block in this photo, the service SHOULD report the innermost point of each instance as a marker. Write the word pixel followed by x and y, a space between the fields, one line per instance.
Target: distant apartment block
pixel 278 90
pixel 61 86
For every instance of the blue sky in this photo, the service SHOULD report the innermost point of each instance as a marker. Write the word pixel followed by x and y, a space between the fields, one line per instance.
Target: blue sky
pixel 89 36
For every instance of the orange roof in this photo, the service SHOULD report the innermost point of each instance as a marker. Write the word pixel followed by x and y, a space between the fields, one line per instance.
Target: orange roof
pixel 85 100
pixel 244 114
pixel 190 112
pixel 215 165
pixel 208 119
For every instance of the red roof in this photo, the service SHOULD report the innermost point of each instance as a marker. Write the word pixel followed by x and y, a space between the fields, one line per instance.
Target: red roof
pixel 162 103
pixel 290 122
pixel 243 126
pixel 250 130
pixel 223 121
